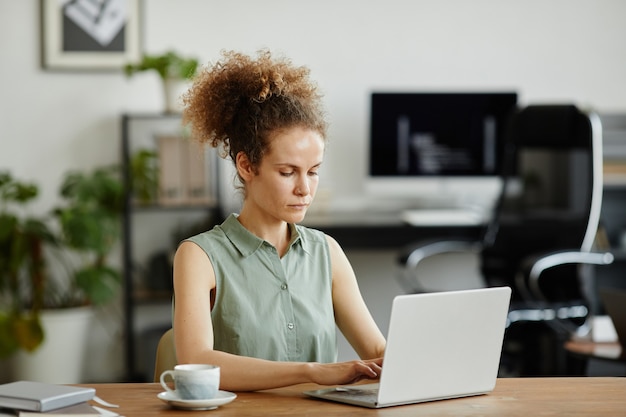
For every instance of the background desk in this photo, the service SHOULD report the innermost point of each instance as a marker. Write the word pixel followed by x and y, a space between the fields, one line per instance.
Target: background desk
pixel 386 230
pixel 512 397
pixel 609 351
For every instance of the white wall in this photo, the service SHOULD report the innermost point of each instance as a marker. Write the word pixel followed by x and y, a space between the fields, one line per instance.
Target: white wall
pixel 547 50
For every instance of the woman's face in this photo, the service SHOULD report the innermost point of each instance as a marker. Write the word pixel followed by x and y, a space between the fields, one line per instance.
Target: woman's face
pixel 287 177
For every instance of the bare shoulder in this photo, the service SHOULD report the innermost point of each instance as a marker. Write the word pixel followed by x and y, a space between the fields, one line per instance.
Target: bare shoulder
pixel 333 245
pixel 189 249
pixel 339 261
pixel 192 264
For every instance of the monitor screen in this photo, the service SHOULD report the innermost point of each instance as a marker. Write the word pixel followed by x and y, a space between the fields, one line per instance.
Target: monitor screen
pixel 444 139
pixel 438 134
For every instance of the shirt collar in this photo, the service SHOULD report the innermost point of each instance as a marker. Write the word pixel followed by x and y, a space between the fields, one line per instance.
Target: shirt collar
pixel 248 243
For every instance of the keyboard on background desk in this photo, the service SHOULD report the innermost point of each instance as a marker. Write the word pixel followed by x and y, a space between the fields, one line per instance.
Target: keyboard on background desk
pixel 442 217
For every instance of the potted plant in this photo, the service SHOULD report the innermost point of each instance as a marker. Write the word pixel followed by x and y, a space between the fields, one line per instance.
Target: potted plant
pixel 86 227
pixel 22 266
pixel 174 70
pixel 90 224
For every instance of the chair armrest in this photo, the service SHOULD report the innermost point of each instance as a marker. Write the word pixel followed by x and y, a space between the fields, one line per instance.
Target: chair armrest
pixel 414 254
pixel 536 265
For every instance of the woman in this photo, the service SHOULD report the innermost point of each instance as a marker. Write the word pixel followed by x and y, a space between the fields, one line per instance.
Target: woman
pixel 260 295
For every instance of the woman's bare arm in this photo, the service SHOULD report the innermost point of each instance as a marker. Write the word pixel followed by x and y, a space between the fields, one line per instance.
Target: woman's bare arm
pixel 351 313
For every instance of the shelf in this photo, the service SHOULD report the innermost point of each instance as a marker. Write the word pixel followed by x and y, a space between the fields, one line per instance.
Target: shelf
pixel 181 176
pixel 614 180
pixel 146 296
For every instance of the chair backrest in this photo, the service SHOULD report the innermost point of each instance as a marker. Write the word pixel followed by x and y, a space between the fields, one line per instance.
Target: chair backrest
pixel 551 194
pixel 165 354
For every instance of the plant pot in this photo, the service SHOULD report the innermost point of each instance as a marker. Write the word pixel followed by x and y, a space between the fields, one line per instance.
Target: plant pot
pixel 59 359
pixel 173 90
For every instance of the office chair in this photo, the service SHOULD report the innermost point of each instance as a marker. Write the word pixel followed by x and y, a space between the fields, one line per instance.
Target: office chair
pixel 165 354
pixel 540 237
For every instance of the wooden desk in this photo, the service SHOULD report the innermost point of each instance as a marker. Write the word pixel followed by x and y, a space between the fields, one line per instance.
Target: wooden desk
pixel 512 397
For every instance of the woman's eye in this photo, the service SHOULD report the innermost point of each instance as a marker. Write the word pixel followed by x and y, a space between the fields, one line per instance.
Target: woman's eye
pixel 313 173
pixel 287 174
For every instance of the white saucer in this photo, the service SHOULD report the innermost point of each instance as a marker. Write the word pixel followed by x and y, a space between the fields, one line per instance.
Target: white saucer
pixel 222 397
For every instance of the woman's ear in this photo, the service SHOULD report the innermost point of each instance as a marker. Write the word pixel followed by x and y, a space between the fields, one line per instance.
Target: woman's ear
pixel 244 167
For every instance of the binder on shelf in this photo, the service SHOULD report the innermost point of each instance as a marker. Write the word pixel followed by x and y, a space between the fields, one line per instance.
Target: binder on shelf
pixel 170 178
pixel 185 172
pixel 614 171
pixel 198 175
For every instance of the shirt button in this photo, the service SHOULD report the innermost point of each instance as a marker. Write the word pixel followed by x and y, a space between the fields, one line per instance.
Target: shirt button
pixel 290 326
pixel 283 287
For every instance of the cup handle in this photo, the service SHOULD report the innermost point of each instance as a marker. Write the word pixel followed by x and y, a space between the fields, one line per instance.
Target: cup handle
pixel 163 384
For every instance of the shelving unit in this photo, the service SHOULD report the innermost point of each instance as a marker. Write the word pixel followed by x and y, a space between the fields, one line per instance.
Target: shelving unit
pixel 185 200
pixel 613 215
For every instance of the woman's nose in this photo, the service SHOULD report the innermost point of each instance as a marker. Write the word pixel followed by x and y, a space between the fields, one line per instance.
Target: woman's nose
pixel 303 188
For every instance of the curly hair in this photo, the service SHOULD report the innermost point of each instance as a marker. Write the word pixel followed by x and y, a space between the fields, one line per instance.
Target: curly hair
pixel 239 102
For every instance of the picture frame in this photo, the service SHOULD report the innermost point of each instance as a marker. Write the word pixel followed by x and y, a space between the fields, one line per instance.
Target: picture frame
pixel 88 34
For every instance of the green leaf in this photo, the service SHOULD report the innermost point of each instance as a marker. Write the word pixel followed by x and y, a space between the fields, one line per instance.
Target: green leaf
pixel 169 64
pixel 99 283
pixel 144 165
pixel 8 223
pixel 8 343
pixel 19 332
pixel 28 332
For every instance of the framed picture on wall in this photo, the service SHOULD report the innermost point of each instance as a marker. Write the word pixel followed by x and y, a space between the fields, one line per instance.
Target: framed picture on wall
pixel 89 34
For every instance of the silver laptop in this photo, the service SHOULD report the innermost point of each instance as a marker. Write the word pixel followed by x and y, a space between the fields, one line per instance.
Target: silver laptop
pixel 440 345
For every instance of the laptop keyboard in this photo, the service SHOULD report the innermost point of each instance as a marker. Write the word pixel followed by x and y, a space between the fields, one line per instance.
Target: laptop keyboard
pixel 365 395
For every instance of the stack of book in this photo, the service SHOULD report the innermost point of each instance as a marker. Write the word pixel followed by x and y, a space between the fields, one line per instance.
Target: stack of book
pixel 186 172
pixel 30 398
pixel 614 138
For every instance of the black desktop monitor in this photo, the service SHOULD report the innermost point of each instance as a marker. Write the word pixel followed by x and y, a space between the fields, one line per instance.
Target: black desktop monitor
pixel 432 144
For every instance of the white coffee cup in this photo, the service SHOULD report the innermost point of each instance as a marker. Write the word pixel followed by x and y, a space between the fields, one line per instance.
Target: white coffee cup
pixel 193 381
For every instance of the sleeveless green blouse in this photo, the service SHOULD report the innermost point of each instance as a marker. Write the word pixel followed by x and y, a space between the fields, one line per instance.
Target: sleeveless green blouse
pixel 270 307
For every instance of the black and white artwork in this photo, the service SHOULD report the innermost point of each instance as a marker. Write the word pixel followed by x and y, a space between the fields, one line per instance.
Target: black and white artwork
pixel 89 34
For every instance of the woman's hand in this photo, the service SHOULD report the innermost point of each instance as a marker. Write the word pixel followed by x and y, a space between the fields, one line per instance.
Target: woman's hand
pixel 343 373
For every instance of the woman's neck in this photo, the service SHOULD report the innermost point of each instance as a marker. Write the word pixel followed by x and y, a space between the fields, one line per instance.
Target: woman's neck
pixel 275 232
